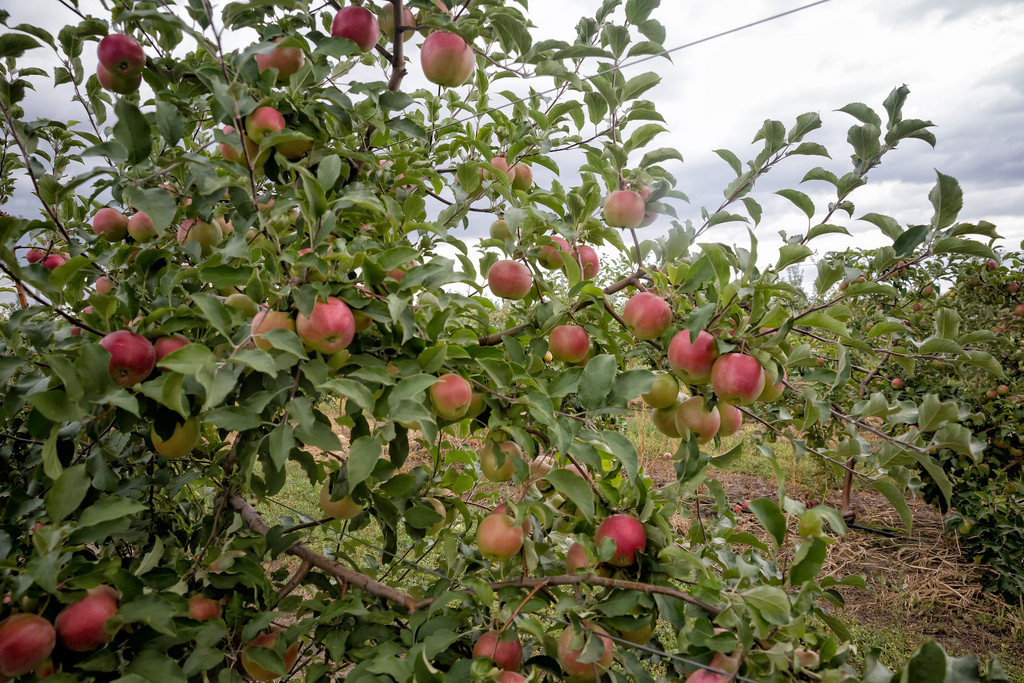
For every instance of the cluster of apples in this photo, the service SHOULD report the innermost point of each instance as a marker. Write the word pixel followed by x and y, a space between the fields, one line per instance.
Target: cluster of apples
pixel 736 379
pixel 114 226
pixel 47 260
pixel 510 279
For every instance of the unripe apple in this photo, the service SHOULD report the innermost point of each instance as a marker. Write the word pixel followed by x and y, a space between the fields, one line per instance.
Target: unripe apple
pixel 451 396
pixel 81 625
pixel 231 153
pixel 569 343
pixel 576 558
pixel 182 441
pixel 523 179
pixel 586 257
pixel 772 392
pixel 264 321
pixel 663 392
pixel 287 60
pixel 206 235
pixel 664 420
pixel 504 648
pixel 509 279
pixel 446 59
pixel 104 285
pixel 647 315
pixel 507 451
pixel 202 608
pixel 358 24
pixel 569 657
pixel 499 230
pixel 387 23
pixel 731 419
pixel 242 303
pixel 692 415
pixel 265 121
pixel 343 508
pixel 501 165
pixel 624 209
pixel 737 378
pixel 53 261
pixel 259 673
pixel 628 534
pixel 552 257
pixel 167 345
pixel 140 227
pixel 26 640
pixel 498 538
pixel 110 224
pixel 692 362
pixel 132 357
pixel 329 327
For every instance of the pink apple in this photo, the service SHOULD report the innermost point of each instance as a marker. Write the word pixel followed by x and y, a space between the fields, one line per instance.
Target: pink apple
pixel 510 677
pixel 53 261
pixel 35 255
pixel 499 230
pixel 569 343
pixel 509 279
pixel 624 209
pixel 451 396
pixel 140 227
pixel 737 378
pixel 1019 309
pixel 772 392
pixel 628 534
pixel 498 538
pixel 104 285
pixel 446 59
pixel 692 362
pixel 260 673
pixel 81 626
pixel 501 165
pixel 167 345
pixel 731 417
pixel 287 60
pixel 264 121
pixel 576 558
pixel 507 451
pixel 569 657
pixel 206 235
pixel 132 357
pixel 523 179
pixel 110 223
pixel 897 383
pixel 26 640
pixel 264 321
pixel 647 315
pixel 329 327
pixel 358 24
pixel 202 608
pixel 121 55
pixel 504 648
pixel 231 153
pixel 552 256
pixel 586 257
pixel 705 676
pixel 693 416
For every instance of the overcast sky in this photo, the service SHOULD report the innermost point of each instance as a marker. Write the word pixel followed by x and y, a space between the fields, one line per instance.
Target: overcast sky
pixel 963 61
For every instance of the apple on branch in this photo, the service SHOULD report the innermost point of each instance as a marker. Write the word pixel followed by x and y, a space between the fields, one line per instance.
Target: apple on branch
pixel 506 451
pixel 451 396
pixel 358 24
pixel 693 416
pixel 504 648
pixel 446 59
pixel 81 626
pixel 624 209
pixel 110 224
pixel 121 61
pixel 692 361
pixel 267 320
pixel 737 378
pixel 569 343
pixel 26 640
pixel 498 537
pixel 509 279
pixel 552 257
pixel 572 643
pixel 287 60
pixel 647 315
pixel 268 640
pixel 628 534
pixel 132 356
pixel 329 327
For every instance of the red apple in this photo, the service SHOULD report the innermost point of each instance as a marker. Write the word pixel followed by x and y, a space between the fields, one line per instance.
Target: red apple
pixel 202 608
pixel 259 673
pixel 1013 287
pixel 53 261
pixel 121 55
pixel 664 392
pixel 628 534
pixel 569 657
pixel 26 640
pixel 509 279
pixel 624 209
pixel 358 24
pixel 287 60
pixel 122 85
pixel 523 179
pixel 692 362
pixel 510 677
pixel 499 230
pixel 808 659
pixel 586 257
pixel 110 223
pixel 915 306
pixel 387 22
pixel 569 343
pixel 140 227
pixel 991 265
pixel 647 315
pixel 705 676
pixel 167 345
pixel 104 285
pixel 266 120
pixel 182 441
pixel 329 327
pixel 132 356
pixel 504 648
pixel 991 393
pixel 498 538
pixel 35 255
pixel 343 508
pixel 81 625
pixel 446 59
pixel 737 378
pixel 552 257
pixel 731 419
pixel 451 396
pixel 693 416
pixel 264 321
pixel 897 383
pixel 489 456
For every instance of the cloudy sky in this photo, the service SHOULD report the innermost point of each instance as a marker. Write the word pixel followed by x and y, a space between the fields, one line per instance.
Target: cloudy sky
pixel 963 61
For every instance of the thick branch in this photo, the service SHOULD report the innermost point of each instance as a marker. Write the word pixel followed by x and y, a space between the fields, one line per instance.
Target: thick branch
pixel 257 524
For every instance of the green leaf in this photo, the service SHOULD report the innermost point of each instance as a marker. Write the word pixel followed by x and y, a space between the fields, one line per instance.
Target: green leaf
pixel 947 199
pixel 800 200
pixel 16 44
pixel 888 225
pixel 956 245
pixel 189 359
pixel 574 488
pixel 824 321
pixel 792 253
pixel 596 380
pixel 67 493
pixel 865 142
pixel 896 499
pixel 927 665
pixel 132 131
pixel 363 456
pixel 731 159
pixel 771 518
pixel 108 509
pixel 770 602
pixel 234 418
pixel 169 122
pixel 51 461
pixel 157 203
pixel 56 405
pixel 624 451
pixel 862 113
pixel 934 413
pixel 807 562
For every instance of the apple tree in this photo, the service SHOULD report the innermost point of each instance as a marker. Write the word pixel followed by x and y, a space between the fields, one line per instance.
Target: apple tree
pixel 270 410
